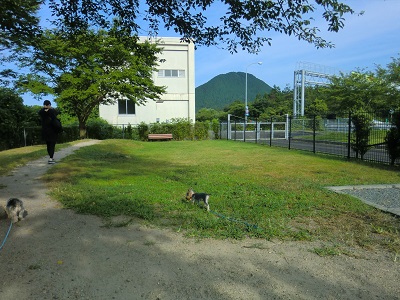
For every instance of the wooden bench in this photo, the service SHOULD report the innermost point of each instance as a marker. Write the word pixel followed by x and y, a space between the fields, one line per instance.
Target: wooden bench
pixel 160 136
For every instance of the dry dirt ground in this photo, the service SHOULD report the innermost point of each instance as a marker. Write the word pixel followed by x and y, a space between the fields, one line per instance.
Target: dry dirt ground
pixel 57 254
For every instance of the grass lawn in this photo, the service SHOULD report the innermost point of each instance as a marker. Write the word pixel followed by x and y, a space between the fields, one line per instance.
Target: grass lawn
pixel 13 158
pixel 256 191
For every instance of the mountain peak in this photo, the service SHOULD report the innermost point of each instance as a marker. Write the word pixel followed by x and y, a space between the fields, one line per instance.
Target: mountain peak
pixel 224 89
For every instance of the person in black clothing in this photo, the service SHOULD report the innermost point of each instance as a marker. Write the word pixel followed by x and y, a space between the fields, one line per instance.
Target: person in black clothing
pixel 49 134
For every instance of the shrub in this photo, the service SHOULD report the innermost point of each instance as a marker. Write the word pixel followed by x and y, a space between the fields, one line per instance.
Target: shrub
pixel 201 130
pixel 392 139
pixel 101 130
pixel 361 131
pixel 13 117
pixel 69 133
pixel 181 129
pixel 143 131
pixel 215 128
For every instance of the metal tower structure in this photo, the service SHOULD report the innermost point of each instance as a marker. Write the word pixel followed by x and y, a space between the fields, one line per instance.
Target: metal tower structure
pixel 308 74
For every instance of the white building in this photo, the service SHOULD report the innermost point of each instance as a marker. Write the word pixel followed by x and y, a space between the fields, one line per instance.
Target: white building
pixel 176 73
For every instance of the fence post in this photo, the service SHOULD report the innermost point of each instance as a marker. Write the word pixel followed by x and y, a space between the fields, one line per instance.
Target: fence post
pixel 228 128
pixel 256 133
pixel 314 127
pixel 286 126
pixel 24 137
pixel 244 130
pixel 235 129
pixel 270 133
pixel 349 136
pixel 290 130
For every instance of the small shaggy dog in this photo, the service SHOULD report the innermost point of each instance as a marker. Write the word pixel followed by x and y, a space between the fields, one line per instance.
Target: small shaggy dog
pixel 197 197
pixel 15 210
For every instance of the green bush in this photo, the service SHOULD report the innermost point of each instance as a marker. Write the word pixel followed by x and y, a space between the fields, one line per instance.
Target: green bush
pixel 215 128
pixel 143 131
pixel 181 129
pixel 127 132
pixel 201 130
pixel 361 132
pixel 392 139
pixel 101 130
pixel 13 116
pixel 69 133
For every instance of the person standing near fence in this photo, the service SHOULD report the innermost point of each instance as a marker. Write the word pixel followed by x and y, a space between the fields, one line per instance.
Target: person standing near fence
pixel 49 133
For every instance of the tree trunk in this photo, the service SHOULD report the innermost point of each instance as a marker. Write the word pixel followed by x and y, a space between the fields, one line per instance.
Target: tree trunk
pixel 82 130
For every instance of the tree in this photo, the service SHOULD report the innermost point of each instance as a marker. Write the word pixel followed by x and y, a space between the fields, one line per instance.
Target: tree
pixel 236 108
pixel 373 91
pixel 392 139
pixel 356 90
pixel 391 75
pixel 392 144
pixel 275 103
pixel 19 22
pixel 361 131
pixel 18 25
pixel 243 25
pixel 90 68
pixel 13 119
pixel 208 114
pixel 317 107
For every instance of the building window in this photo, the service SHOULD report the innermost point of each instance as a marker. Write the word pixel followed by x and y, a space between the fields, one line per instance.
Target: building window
pixel 171 73
pixel 126 107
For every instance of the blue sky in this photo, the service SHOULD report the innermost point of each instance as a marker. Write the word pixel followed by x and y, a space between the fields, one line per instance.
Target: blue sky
pixel 366 41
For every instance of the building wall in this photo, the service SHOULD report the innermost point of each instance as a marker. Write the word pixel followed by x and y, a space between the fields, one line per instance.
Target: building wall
pixel 179 99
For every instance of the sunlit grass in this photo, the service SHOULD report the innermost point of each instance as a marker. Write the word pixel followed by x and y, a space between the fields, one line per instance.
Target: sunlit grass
pixel 10 159
pixel 256 191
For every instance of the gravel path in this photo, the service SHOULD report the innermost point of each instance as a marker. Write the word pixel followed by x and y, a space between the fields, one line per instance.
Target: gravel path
pixel 383 196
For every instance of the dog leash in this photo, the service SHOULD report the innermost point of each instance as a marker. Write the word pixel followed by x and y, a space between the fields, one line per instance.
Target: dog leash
pixel 234 220
pixel 8 232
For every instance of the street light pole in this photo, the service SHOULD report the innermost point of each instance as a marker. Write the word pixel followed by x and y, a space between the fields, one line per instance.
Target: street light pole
pixel 246 109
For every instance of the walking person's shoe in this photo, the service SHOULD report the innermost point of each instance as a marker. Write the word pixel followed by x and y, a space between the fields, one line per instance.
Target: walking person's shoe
pixel 51 161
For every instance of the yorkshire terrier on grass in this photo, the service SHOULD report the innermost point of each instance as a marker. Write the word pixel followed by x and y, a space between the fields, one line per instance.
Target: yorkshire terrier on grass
pixel 197 197
pixel 15 210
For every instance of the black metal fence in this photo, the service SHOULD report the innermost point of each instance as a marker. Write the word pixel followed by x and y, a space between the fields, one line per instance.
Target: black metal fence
pixel 181 130
pixel 335 135
pixel 29 136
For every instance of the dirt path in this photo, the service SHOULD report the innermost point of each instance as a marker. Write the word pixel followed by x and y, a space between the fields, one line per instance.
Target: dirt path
pixel 57 254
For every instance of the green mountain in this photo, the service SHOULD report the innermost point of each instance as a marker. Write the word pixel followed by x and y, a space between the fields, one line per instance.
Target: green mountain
pixel 224 89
